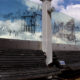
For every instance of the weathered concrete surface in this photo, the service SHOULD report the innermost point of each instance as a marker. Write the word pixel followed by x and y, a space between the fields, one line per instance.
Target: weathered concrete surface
pixel 19 44
pixel 65 47
pixel 35 45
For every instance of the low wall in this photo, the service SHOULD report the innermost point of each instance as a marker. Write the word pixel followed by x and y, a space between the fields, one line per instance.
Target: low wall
pixel 19 44
pixel 35 45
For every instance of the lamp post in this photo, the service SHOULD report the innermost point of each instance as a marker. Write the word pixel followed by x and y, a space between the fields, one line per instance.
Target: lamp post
pixel 47 30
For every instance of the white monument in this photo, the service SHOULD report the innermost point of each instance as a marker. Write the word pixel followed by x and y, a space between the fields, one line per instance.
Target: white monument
pixel 47 30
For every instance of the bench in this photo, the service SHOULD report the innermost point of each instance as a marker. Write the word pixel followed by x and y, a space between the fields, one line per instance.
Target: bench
pixel 18 64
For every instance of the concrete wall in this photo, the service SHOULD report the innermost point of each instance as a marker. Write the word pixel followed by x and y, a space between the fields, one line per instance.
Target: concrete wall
pixel 35 45
pixel 19 44
pixel 64 47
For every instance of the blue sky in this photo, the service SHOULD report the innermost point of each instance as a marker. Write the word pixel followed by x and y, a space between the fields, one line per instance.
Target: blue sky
pixel 7 6
pixel 67 2
pixel 69 7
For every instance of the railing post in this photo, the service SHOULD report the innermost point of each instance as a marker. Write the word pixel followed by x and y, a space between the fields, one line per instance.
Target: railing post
pixel 47 30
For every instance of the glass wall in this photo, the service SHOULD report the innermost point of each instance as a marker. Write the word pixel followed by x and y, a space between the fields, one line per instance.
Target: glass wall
pixel 65 29
pixel 22 19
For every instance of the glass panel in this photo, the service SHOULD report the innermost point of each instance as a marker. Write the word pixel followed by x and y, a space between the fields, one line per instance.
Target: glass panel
pixel 65 29
pixel 20 19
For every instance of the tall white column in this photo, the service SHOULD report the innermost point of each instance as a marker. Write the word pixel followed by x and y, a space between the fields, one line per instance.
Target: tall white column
pixel 46 30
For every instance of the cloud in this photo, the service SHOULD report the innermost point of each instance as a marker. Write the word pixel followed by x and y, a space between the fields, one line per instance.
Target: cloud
pixel 36 1
pixel 57 4
pixel 72 10
pixel 60 40
pixel 32 4
pixel 16 25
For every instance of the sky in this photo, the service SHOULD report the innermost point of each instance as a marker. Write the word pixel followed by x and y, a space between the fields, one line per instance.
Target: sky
pixel 69 7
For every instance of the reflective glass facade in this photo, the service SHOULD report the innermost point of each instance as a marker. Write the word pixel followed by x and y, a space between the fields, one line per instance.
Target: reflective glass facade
pixel 65 29
pixel 23 20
